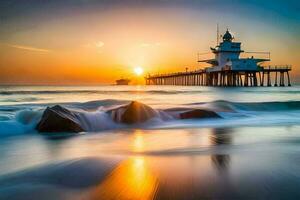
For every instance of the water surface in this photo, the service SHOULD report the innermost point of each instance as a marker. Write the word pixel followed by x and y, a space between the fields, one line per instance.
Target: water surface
pixel 251 153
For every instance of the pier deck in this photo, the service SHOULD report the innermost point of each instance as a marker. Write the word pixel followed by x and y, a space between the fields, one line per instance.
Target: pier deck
pixel 263 76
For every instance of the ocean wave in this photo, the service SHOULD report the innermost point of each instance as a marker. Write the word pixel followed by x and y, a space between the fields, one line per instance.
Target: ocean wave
pixel 250 106
pixel 23 119
pixel 219 105
pixel 183 91
pixel 29 99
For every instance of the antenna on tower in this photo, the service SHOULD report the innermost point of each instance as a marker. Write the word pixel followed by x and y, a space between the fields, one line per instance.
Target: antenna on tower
pixel 217 34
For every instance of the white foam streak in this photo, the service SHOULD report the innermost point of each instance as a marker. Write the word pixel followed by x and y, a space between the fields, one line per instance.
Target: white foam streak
pixel 97 121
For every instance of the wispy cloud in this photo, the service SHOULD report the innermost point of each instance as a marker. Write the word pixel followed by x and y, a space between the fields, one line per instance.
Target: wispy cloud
pixel 150 44
pixel 99 44
pixel 95 45
pixel 28 48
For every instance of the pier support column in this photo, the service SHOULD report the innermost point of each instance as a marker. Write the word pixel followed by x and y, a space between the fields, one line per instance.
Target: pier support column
pixel 281 78
pixel 254 79
pixel 269 79
pixel 237 77
pixel 275 79
pixel 251 79
pixel 289 81
pixel 241 80
pixel 234 79
pixel 246 79
pixel 221 78
pixel 263 79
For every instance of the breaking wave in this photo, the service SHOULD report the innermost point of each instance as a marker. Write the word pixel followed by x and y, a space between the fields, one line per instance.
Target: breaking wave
pixel 251 106
pixel 21 119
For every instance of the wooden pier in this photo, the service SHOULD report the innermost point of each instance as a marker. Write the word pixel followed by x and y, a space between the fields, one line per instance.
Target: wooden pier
pixel 225 78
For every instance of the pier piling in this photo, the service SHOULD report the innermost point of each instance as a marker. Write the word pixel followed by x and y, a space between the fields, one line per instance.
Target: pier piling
pixel 224 78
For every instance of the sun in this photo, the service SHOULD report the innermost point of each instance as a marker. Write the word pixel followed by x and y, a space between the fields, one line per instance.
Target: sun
pixel 138 71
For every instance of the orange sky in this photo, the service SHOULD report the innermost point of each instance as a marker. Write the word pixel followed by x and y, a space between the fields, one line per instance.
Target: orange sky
pixel 99 47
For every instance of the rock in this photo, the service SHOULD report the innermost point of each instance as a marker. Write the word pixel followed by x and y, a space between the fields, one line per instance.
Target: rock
pixel 198 113
pixel 59 119
pixel 134 112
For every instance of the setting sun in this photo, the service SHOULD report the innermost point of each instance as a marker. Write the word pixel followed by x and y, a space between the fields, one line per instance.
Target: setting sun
pixel 138 71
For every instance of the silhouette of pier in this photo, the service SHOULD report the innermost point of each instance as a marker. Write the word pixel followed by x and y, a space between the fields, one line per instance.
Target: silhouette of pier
pixel 228 69
pixel 262 76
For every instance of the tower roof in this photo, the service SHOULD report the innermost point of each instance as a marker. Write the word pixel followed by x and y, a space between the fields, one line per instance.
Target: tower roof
pixel 227 36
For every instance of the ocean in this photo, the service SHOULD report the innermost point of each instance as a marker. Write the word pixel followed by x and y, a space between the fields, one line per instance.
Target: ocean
pixel 251 152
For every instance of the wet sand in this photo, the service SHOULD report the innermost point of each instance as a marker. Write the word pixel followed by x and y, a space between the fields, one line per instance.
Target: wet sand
pixel 202 163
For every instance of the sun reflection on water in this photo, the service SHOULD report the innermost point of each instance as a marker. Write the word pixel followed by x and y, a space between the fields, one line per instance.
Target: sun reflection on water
pixel 138 143
pixel 132 179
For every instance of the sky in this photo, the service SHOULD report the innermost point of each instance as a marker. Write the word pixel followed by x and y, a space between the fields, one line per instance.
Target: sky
pixel 88 42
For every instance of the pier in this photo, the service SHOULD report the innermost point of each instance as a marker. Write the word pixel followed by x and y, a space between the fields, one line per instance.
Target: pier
pixel 228 68
pixel 264 76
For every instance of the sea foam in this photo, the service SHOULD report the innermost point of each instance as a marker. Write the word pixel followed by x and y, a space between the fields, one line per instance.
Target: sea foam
pixel 24 118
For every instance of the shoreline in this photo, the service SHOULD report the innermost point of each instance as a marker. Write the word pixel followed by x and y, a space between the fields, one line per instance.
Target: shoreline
pixel 202 158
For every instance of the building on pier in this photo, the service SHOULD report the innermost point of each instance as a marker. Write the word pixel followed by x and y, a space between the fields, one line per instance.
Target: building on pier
pixel 227 56
pixel 227 68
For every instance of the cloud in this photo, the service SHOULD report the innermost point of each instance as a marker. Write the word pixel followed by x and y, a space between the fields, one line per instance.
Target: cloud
pixel 150 44
pixel 96 45
pixel 29 48
pixel 99 44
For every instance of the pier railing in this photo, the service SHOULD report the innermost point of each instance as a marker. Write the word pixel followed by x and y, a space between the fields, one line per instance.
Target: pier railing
pixel 276 68
pixel 225 77
pixel 205 56
pixel 177 73
pixel 256 55
pixel 199 71
pixel 209 56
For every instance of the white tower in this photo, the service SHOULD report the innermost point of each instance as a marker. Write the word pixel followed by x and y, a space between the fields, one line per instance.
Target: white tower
pixel 227 56
pixel 226 51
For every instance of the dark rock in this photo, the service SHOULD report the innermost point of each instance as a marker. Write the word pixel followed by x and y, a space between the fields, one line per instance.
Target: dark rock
pixel 198 113
pixel 59 119
pixel 134 112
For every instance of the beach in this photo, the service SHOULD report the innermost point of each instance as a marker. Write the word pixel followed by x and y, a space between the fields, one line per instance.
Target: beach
pixel 250 152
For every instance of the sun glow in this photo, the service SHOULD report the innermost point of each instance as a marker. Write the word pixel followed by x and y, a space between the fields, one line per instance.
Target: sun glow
pixel 138 71
pixel 131 179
